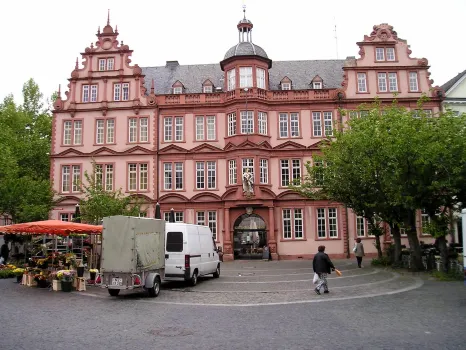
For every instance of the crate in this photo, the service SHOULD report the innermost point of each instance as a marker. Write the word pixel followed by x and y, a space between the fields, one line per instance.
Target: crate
pixel 80 284
pixel 25 279
pixel 30 282
pixel 56 285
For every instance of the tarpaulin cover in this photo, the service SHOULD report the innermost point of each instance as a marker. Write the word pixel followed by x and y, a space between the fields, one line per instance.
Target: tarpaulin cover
pixel 51 227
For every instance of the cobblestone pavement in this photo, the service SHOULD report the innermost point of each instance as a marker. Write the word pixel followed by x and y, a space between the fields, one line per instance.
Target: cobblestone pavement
pixel 253 305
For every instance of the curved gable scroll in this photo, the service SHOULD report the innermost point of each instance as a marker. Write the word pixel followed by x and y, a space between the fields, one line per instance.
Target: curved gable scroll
pixel 267 193
pixel 290 195
pixel 142 197
pixel 206 197
pixel 173 198
pixel 230 194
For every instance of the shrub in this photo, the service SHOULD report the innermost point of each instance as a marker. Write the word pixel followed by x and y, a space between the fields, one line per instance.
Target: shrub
pixel 452 275
pixel 384 261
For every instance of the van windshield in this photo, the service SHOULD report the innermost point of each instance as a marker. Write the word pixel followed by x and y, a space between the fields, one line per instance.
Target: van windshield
pixel 174 241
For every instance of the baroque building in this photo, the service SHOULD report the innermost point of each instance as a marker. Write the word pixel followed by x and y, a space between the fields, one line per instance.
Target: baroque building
pixel 220 143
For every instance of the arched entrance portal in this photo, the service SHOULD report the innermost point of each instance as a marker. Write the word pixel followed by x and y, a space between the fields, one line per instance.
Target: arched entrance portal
pixel 249 237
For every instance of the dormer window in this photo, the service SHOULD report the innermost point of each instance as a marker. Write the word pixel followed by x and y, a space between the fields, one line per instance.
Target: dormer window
pixel 385 54
pixel 317 85
pixel 207 89
pixel 106 64
pixel 286 86
pixel 207 86
pixel 178 90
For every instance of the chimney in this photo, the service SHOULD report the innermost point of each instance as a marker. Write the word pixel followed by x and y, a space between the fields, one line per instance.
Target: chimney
pixel 172 64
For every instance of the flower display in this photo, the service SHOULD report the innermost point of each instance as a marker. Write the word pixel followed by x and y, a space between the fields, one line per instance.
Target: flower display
pixel 40 277
pixel 65 275
pixel 19 271
pixel 94 271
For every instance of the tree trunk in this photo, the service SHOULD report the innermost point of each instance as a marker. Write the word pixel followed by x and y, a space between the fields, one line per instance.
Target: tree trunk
pixel 377 245
pixel 397 243
pixel 416 257
pixel 442 244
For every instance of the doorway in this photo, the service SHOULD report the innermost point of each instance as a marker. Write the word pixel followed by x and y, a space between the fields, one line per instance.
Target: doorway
pixel 249 237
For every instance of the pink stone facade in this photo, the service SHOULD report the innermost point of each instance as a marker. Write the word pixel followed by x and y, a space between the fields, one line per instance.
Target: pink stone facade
pixel 184 136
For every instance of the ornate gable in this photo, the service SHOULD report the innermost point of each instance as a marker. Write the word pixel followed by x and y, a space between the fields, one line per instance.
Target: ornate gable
pixel 205 147
pixel 290 145
pixel 174 149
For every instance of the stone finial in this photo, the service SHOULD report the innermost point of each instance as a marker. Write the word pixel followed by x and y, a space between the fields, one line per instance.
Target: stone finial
pixel 77 64
pixel 152 86
pixel 108 17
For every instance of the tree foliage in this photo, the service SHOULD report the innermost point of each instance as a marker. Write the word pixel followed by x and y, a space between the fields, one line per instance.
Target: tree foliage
pixel 99 203
pixel 391 162
pixel 25 136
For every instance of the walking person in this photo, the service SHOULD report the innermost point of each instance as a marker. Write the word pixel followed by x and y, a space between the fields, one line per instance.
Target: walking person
pixel 322 266
pixel 359 251
pixel 4 252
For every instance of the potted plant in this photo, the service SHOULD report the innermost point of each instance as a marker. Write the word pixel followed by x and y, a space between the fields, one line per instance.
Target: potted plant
pixel 93 273
pixel 66 278
pixel 41 280
pixel 19 272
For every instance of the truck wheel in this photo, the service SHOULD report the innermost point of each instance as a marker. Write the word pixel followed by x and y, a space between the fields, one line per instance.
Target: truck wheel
pixel 193 281
pixel 155 290
pixel 113 292
pixel 217 272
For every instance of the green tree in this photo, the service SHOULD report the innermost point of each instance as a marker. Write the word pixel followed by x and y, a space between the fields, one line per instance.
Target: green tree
pixel 99 203
pixel 25 136
pixel 386 165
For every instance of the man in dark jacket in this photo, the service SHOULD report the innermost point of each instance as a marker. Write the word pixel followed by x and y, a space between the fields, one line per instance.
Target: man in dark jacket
pixel 4 252
pixel 322 265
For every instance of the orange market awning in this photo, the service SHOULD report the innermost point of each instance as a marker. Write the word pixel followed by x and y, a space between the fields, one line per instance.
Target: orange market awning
pixel 51 227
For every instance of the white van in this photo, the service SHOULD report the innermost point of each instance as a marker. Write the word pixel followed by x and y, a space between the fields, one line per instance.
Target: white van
pixel 190 252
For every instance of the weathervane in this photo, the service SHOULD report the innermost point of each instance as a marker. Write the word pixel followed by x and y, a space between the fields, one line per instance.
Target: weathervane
pixel 244 9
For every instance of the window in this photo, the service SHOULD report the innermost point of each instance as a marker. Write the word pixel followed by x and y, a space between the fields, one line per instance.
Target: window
pixel 425 221
pixel 106 64
pixel 353 114
pixel 89 93
pixel 290 171
pixel 73 132
pixel 205 126
pixel 177 90
pixel 174 240
pixel 231 124
pixel 327 124
pixel 168 129
pixel 289 125
pixel 207 89
pixel 231 78
pixel 382 81
pixel 319 173
pixel 121 92
pixel 208 218
pixel 232 177
pixel 104 176
pixel 264 171
pixel 392 82
pixel 138 130
pixel 390 54
pixel 327 221
pixel 361 228
pixel 179 216
pixel 203 181
pixel 379 54
pixel 138 177
pixel 69 217
pixel 247 122
pixel 245 77
pixel 248 165
pixel 71 178
pixel 292 223
pixel 286 86
pixel 362 84
pixel 262 123
pixel 260 75
pixel 172 171
pixel 413 85
pixel 317 85
pixel 105 131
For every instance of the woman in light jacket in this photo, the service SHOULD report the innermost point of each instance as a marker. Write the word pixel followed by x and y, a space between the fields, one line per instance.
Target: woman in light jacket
pixel 359 251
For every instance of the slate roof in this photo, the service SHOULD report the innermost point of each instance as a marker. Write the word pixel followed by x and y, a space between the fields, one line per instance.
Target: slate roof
pixel 192 76
pixel 246 49
pixel 449 84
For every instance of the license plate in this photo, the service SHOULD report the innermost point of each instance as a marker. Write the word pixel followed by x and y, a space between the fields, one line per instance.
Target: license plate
pixel 117 281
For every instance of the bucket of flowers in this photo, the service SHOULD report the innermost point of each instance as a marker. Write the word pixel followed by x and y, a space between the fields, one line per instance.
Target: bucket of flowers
pixel 66 277
pixel 93 273
pixel 19 272
pixel 41 280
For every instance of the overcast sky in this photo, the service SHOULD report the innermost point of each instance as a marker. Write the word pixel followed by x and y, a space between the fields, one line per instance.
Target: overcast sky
pixel 41 39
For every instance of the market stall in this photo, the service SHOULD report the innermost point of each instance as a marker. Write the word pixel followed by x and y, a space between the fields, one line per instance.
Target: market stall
pixel 60 251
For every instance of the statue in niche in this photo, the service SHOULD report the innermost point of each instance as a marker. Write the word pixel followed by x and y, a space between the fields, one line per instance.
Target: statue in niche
pixel 248 182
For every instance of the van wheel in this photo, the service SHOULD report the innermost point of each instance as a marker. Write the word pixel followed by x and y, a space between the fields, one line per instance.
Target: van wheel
pixel 193 281
pixel 155 290
pixel 217 272
pixel 113 292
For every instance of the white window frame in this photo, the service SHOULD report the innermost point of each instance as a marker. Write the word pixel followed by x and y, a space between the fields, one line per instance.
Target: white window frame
pixel 231 79
pixel 286 86
pixel 85 94
pixel 264 171
pixel 392 81
pixel 293 223
pixel 104 175
pixel 245 77
pixel 260 78
pixel 232 172
pixel 317 85
pixel 290 170
pixel 207 89
pixel 133 130
pixel 110 63
pixel 247 122
pixel 288 125
pixel 66 179
pixel 262 123
pixel 117 92
pixel 67 132
pixel 143 129
pixel 138 175
pixel 94 93
pixel 205 128
pixel 168 129
pixel 328 123
pixel 206 175
pixel 178 90
pixel 328 221
pixel 322 123
pixel 390 54
pixel 125 92
pixel 361 226
pixel 73 132
pixel 102 64
pixel 78 132
pixel 179 216
pixel 379 54
pixel 179 129
pixel 232 126
pixel 382 82
pixel 362 82
pixel 208 218
pixel 413 83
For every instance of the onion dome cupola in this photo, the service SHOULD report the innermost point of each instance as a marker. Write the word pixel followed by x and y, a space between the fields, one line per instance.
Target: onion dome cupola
pixel 245 46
